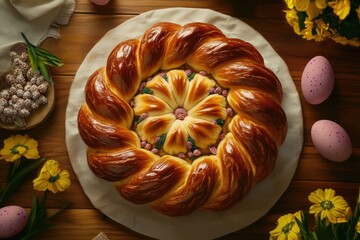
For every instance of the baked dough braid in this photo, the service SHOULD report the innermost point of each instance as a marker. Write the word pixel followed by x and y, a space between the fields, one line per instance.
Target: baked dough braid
pixel 215 180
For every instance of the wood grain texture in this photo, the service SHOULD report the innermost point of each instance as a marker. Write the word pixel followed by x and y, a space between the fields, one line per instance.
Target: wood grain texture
pixel 89 23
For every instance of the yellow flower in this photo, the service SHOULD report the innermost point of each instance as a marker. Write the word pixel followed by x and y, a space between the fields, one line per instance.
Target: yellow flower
pixel 341 8
pixel 312 8
pixel 358 226
pixel 287 228
pixel 290 4
pixel 17 146
pixel 358 12
pixel 327 205
pixel 293 19
pixel 52 178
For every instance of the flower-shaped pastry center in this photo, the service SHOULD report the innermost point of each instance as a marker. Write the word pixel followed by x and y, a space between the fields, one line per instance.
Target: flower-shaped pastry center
pixel 180 113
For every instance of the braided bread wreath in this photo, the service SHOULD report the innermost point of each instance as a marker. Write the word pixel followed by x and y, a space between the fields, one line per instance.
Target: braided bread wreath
pixel 204 182
pixel 199 136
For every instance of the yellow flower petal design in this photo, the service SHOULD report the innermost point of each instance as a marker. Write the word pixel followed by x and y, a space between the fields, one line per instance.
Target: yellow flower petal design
pixel 162 90
pixel 198 89
pixel 179 84
pixel 152 105
pixel 203 132
pixel 153 127
pixel 210 108
pixel 176 138
pixel 183 110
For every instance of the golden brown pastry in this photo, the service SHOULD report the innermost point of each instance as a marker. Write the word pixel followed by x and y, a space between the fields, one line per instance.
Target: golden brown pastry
pixel 183 119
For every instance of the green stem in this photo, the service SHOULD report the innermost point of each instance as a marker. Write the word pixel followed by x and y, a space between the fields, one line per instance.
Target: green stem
pixel 14 183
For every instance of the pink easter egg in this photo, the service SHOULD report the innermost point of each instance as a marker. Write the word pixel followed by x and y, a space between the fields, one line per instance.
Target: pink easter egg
pixel 331 140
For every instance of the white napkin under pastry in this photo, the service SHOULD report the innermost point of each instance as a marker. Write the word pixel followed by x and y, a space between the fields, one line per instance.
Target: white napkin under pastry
pixel 37 19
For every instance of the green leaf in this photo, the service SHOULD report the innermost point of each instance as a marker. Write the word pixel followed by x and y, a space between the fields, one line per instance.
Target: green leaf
pixel 165 77
pixel 220 122
pixel 33 59
pixel 323 230
pixel 46 53
pixel 30 235
pixel 147 91
pixel 58 212
pixel 32 216
pixel 191 77
pixel 41 213
pixel 40 59
pixel 38 220
pixel 18 178
pixel 45 71
pixel 303 224
pixel 161 141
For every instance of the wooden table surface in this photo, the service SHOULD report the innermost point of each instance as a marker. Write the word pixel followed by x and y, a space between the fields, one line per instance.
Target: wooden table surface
pixel 89 23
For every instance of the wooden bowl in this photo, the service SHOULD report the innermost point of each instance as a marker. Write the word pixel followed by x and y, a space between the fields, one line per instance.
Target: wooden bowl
pixel 37 116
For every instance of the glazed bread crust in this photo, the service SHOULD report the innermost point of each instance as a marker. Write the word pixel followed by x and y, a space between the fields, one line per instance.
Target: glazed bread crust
pixel 169 184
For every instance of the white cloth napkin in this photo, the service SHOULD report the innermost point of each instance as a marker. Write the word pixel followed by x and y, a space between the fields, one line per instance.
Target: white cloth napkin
pixel 37 19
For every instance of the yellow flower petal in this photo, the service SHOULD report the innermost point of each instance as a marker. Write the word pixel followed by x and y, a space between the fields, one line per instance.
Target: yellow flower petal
pixel 52 188
pixel 358 227
pixel 32 154
pixel 5 151
pixel 329 194
pixel 31 143
pixel 293 19
pixel 313 11
pixel 341 8
pixel 301 5
pixel 41 182
pixel 290 3
pixel 321 4
pixel 9 143
pixel 315 208
pixel 19 139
